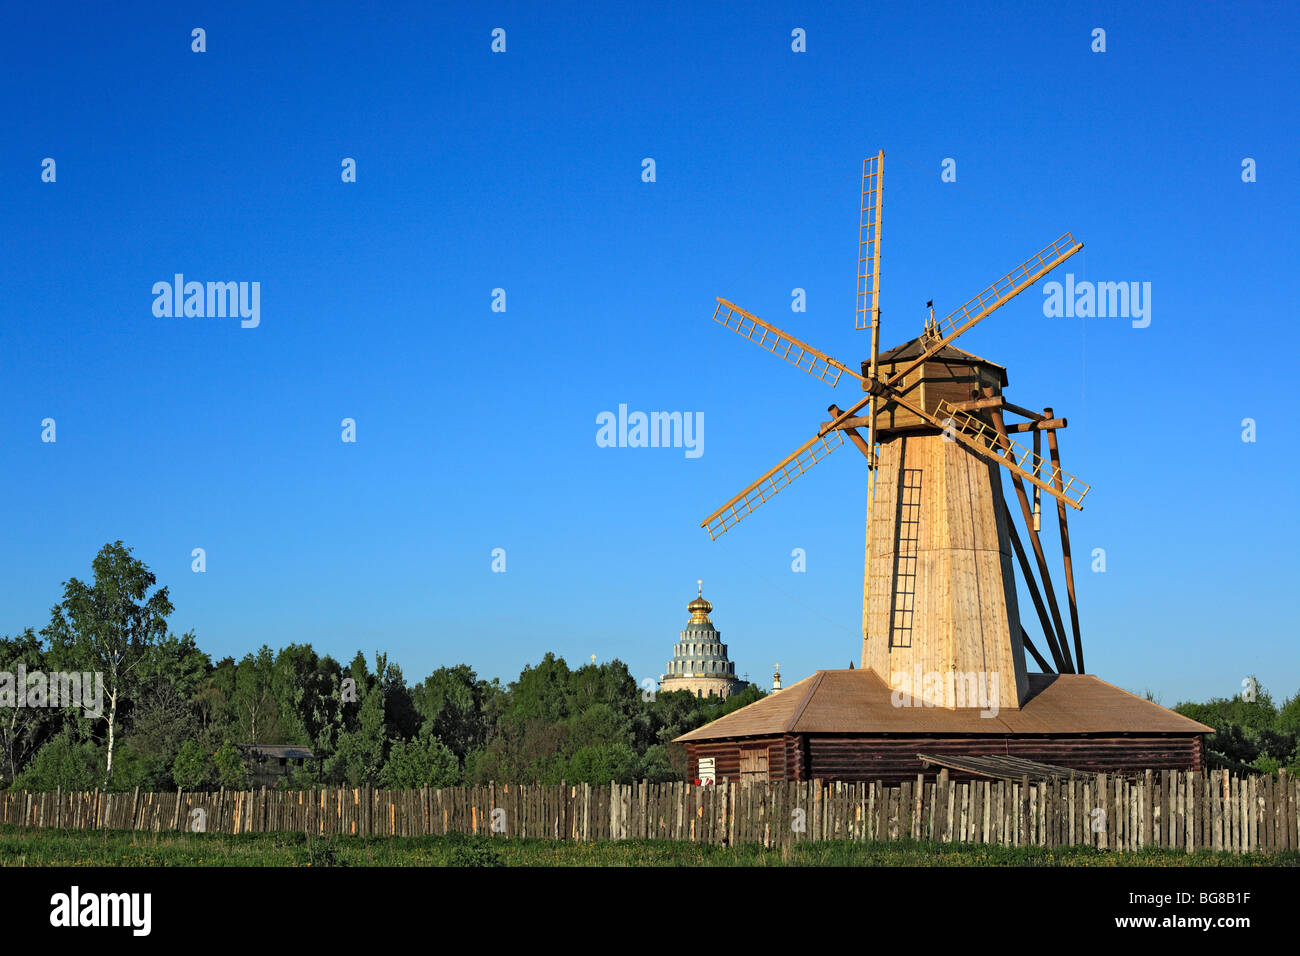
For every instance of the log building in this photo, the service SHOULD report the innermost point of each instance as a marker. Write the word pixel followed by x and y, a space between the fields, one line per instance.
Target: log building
pixel 849 725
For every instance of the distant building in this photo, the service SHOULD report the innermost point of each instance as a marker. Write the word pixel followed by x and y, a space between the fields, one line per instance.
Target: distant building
pixel 700 663
pixel 269 763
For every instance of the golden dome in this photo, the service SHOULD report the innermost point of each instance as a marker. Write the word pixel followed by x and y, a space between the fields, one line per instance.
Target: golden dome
pixel 700 608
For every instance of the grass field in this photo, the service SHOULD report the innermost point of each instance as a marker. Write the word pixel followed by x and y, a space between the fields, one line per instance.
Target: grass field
pixel 31 847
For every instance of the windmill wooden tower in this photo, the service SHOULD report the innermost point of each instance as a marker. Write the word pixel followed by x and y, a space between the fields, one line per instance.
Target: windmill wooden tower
pixel 939 592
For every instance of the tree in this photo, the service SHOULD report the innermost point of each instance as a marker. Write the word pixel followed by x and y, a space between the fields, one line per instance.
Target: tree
pixel 192 767
pixel 300 685
pixel 1288 716
pixel 161 722
pixel 253 701
pixel 63 762
pixel 522 751
pixel 232 772
pixel 660 764
pixel 454 706
pixel 598 725
pixel 386 715
pixel 599 764
pixel 179 661
pixel 111 626
pixel 542 692
pixel 23 729
pixel 424 761
pixel 361 753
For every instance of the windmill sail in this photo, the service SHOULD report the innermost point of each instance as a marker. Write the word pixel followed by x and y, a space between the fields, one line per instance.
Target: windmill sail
pixel 799 354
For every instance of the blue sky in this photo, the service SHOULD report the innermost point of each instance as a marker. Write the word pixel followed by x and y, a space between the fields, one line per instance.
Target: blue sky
pixel 522 171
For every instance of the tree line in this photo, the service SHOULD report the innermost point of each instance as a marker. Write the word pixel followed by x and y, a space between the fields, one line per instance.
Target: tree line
pixel 172 717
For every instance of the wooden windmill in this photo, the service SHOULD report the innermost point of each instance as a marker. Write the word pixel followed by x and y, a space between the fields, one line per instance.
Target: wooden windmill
pixel 939 592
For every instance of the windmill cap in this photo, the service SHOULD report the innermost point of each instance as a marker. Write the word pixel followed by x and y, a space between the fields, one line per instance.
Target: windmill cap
pixel 949 353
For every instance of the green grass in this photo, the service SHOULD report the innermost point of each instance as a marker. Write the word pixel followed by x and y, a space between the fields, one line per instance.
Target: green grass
pixel 31 847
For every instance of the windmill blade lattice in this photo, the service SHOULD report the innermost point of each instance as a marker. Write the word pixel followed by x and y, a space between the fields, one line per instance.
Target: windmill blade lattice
pixel 772 481
pixel 781 344
pixel 998 294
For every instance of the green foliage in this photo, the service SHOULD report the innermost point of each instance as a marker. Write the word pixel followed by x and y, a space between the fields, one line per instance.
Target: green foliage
pixel 253 703
pixel 323 853
pixel 63 762
pixel 425 761
pixel 23 729
pixel 192 768
pixel 1222 712
pixel 457 708
pixel 1288 716
pixel 135 769
pixel 475 851
pixel 384 716
pixel 663 763
pixel 600 724
pixel 532 751
pixel 1249 735
pixel 177 661
pixel 231 770
pixel 112 626
pixel 541 693
pixel 161 723
pixel 599 764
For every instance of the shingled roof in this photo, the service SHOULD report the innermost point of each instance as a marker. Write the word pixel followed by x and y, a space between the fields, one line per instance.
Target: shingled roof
pixel 949 353
pixel 858 701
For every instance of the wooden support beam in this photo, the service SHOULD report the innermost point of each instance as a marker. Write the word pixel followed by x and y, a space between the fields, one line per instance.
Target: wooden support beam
pixel 854 437
pixel 1031 583
pixel 996 401
pixel 853 421
pixel 1033 651
pixel 1055 454
pixel 1022 412
pixel 1068 667
pixel 1046 425
pixel 978 404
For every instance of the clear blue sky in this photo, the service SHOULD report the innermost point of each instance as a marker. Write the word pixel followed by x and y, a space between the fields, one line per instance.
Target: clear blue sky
pixel 476 429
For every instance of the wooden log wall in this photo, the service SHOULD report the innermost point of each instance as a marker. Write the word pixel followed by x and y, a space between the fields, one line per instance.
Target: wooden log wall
pixel 894 759
pixel 1174 809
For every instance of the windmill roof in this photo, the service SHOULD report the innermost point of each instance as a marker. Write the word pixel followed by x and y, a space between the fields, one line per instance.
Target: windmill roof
pixel 916 346
pixel 859 701
pixel 949 353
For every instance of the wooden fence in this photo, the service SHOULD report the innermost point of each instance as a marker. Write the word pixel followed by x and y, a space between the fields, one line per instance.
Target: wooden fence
pixel 1174 809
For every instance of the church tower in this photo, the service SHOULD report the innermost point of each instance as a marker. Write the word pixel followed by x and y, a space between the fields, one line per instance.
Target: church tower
pixel 700 663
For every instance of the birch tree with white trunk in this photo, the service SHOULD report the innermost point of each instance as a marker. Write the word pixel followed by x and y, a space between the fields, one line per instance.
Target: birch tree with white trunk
pixel 109 626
